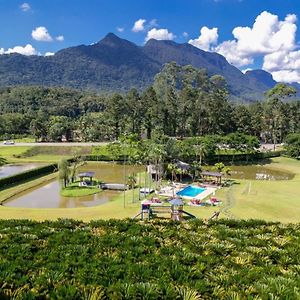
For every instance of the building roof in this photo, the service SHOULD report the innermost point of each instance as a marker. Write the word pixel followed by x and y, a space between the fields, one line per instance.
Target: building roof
pixel 86 174
pixel 182 165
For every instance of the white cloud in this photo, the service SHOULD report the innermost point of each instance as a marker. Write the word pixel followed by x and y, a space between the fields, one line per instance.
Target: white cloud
pixel 185 34
pixel 25 7
pixel 41 34
pixel 120 29
pixel 246 70
pixel 60 38
pixel 288 76
pixel 139 25
pixel 229 50
pixel 26 50
pixel 267 35
pixel 207 38
pixel 49 53
pixel 283 65
pixel 153 23
pixel 159 34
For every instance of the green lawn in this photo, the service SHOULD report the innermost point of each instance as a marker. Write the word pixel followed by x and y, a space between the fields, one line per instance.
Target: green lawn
pixel 247 199
pixel 19 154
pixel 74 190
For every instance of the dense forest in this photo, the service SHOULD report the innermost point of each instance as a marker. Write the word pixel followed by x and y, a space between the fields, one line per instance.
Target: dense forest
pixel 182 102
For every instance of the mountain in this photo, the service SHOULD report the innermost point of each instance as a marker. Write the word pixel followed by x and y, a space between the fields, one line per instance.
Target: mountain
pixel 115 64
pixel 261 77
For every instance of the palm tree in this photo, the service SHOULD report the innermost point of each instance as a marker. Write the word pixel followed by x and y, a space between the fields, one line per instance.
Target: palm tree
pixel 172 169
pixel 195 169
pixel 200 151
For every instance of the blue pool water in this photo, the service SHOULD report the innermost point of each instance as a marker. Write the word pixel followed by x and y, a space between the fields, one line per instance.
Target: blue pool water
pixel 191 191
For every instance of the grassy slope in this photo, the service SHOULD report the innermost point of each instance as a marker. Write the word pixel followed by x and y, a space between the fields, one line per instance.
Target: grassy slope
pixel 269 200
pixel 40 154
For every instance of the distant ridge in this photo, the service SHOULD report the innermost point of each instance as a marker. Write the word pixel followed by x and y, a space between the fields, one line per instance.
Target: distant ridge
pixel 115 64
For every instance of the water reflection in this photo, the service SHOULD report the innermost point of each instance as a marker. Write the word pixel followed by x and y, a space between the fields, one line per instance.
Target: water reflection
pixel 48 195
pixel 12 169
pixel 259 173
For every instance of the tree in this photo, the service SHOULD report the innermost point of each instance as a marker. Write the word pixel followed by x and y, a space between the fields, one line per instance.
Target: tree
pixel 200 151
pixel 131 181
pixel 115 112
pixel 135 110
pixel 59 127
pixel 38 129
pixel 292 145
pixel 273 116
pixel 64 171
pixel 171 168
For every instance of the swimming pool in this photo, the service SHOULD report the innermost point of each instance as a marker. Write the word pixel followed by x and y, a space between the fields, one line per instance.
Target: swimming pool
pixel 191 191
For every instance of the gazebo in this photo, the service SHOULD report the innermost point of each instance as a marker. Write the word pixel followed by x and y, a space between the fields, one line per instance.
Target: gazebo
pixel 217 175
pixel 89 175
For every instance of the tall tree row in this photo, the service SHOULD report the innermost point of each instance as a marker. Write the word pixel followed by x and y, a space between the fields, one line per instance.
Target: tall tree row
pixel 182 102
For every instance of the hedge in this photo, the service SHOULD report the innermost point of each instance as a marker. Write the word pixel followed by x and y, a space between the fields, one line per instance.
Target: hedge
pixel 27 175
pixel 212 159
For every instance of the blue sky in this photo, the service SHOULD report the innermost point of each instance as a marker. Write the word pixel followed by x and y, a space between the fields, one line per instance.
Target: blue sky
pixel 50 25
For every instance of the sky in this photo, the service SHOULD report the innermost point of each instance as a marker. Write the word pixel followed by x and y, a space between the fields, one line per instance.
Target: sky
pixel 251 34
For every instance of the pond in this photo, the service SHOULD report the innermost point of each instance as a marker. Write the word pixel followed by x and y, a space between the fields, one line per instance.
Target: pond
pixel 259 172
pixel 12 169
pixel 48 194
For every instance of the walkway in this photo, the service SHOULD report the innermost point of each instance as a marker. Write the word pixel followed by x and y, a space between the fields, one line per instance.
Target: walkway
pixel 229 203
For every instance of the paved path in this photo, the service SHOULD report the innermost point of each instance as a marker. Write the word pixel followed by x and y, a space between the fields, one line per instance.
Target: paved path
pixel 230 202
pixel 57 144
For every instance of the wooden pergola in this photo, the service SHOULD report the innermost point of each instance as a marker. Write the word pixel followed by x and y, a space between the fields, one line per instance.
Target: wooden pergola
pixel 217 175
pixel 89 175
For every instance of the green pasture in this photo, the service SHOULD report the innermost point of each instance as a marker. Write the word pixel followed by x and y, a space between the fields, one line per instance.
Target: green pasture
pixel 15 154
pixel 245 199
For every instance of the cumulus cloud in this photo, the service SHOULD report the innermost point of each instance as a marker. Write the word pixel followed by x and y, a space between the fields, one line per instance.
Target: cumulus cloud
pixel 207 38
pixel 41 34
pixel 60 38
pixel 159 34
pixel 185 34
pixel 26 50
pixel 25 7
pixel 284 65
pixel 49 53
pixel 120 29
pixel 229 50
pixel 267 35
pixel 139 25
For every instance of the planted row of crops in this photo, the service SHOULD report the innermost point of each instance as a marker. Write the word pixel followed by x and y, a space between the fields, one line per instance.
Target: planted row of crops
pixel 157 260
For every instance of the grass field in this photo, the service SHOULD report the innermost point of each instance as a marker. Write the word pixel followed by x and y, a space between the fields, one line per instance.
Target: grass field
pixel 247 199
pixel 19 154
pixel 74 190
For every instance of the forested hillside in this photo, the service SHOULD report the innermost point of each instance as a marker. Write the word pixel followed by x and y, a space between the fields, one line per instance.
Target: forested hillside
pixel 183 101
pixel 117 65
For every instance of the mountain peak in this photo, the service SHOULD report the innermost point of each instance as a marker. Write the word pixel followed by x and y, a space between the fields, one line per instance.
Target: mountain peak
pixel 261 76
pixel 113 41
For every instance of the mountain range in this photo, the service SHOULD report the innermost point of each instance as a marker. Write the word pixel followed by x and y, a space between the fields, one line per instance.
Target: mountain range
pixel 115 64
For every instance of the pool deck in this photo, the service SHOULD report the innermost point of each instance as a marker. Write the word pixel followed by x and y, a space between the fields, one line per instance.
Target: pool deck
pixel 171 191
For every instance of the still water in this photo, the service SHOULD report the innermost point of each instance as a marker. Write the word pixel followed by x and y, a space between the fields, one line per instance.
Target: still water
pixel 258 172
pixel 48 196
pixel 9 170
